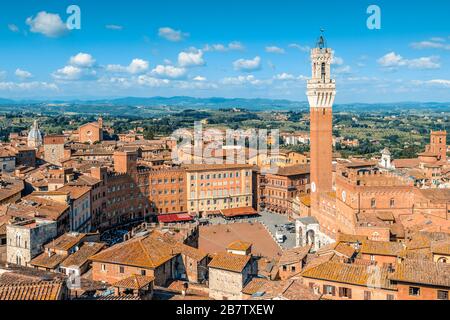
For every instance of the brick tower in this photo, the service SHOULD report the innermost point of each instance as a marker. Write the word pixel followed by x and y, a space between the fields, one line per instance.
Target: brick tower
pixel 438 144
pixel 321 90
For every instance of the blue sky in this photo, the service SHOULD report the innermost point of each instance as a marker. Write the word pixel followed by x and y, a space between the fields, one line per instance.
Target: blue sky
pixel 245 48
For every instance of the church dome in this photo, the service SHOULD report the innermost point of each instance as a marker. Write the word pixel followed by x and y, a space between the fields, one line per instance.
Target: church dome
pixel 34 136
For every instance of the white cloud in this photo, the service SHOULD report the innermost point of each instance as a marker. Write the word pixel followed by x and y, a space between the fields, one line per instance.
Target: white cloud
pixel 393 60
pixel 424 63
pixel 81 66
pixel 438 39
pixel 299 47
pixel 68 73
pixel 434 82
pixel 113 27
pixel 222 48
pixel 337 60
pixel 171 34
pixel 186 85
pixel 236 45
pixel 138 66
pixel 23 74
pixel 433 43
pixel 82 60
pixel 274 49
pixel 248 65
pixel 149 81
pixel 135 67
pixel 48 24
pixel 13 28
pixel 27 86
pixel 343 70
pixel 199 78
pixel 169 72
pixel 249 79
pixel 73 73
pixel 284 76
pixel 193 57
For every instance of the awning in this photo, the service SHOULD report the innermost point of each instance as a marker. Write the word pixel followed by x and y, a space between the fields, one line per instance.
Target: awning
pixel 176 217
pixel 238 212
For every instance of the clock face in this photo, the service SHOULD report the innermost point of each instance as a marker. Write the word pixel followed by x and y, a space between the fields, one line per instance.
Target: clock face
pixel 89 133
pixel 313 187
pixel 344 195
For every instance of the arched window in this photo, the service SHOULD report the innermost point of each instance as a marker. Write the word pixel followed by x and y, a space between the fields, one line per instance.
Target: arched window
pixel 18 240
pixel 19 258
pixel 373 202
pixel 392 203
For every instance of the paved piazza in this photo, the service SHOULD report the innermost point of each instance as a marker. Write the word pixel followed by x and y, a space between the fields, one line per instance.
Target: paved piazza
pixel 260 231
pixel 215 238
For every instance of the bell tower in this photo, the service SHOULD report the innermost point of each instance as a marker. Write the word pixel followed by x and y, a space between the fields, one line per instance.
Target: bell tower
pixel 321 90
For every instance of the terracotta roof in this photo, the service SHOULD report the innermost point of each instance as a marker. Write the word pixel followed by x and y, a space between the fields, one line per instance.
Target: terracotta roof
pixel 128 297
pixel 10 186
pixel 254 286
pixel 85 180
pixel 210 167
pixel 417 254
pixel 382 248
pixel 293 170
pixel 239 245
pixel 49 261
pixel 146 252
pixel 66 241
pixel 406 163
pixel 75 192
pixel 229 262
pixel 422 272
pixel 5 153
pixel 292 289
pixel 385 216
pixel 294 255
pixel 350 238
pixel 338 248
pixel 42 290
pixel 421 240
pixel 398 230
pixel 355 274
pixel 191 252
pixel 441 247
pixel 135 282
pixel 359 164
pixel 47 209
pixel 436 195
pixel 82 256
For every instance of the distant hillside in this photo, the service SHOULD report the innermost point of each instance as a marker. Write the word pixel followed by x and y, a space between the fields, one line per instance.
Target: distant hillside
pixel 153 106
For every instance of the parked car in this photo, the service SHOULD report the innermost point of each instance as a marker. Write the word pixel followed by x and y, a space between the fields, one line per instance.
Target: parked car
pixel 280 237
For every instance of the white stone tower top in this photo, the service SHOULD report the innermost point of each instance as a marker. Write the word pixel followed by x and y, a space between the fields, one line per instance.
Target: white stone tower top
pixel 321 89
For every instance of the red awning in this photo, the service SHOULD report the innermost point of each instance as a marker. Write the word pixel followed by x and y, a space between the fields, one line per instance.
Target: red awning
pixel 238 212
pixel 176 217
